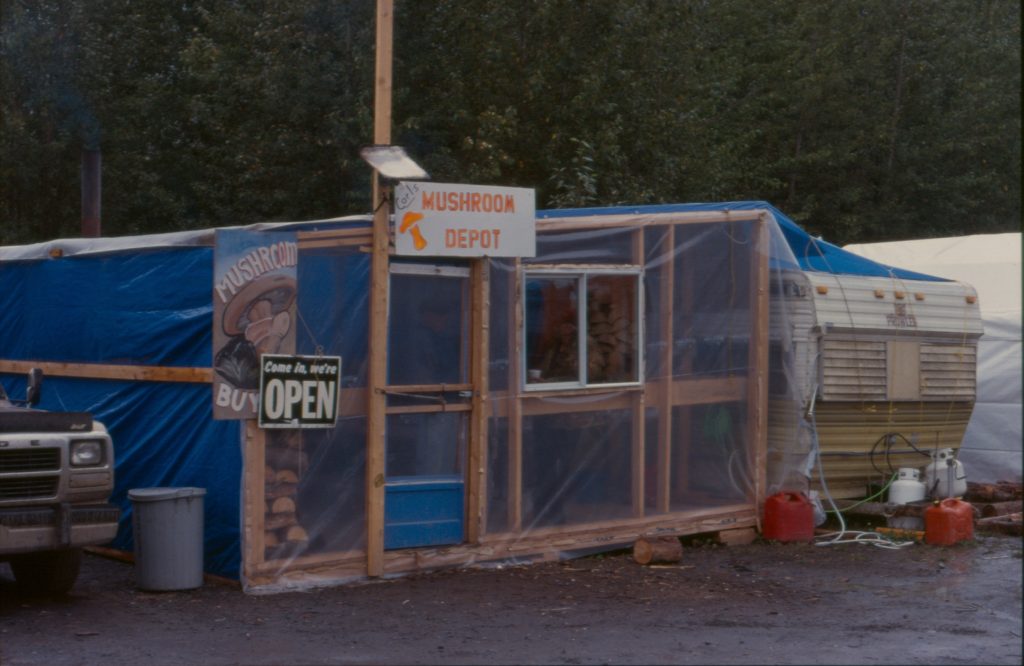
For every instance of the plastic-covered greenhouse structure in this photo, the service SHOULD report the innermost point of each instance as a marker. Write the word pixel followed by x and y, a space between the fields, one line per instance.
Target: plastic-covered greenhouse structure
pixel 620 383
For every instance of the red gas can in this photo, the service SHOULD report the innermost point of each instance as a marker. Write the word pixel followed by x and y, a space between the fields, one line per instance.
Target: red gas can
pixel 948 522
pixel 788 516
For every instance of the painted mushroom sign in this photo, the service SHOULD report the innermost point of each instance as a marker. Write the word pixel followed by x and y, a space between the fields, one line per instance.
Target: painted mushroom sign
pixel 254 290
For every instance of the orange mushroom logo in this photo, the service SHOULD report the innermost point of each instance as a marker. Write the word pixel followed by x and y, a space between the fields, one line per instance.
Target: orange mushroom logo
pixel 408 225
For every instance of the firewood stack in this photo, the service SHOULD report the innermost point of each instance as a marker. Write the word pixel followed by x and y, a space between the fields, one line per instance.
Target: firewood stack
pixel 285 462
pixel 611 332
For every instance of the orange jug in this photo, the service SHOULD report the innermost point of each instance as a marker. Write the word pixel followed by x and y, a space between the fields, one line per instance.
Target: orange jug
pixel 948 522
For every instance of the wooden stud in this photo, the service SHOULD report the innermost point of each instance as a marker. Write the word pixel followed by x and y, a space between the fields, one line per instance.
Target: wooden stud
pixel 146 373
pixel 328 238
pixel 379 271
pixel 664 405
pixel 429 408
pixel 684 301
pixel 382 73
pixel 254 478
pixel 376 398
pixel 757 381
pixel 656 219
pixel 515 405
pixel 708 390
pixel 638 435
pixel 476 504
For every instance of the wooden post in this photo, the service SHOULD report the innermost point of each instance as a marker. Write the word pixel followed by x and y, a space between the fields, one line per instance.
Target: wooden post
pixel 253 486
pixel 639 434
pixel 515 406
pixel 479 321
pixel 757 380
pixel 377 380
pixel 684 301
pixel 664 464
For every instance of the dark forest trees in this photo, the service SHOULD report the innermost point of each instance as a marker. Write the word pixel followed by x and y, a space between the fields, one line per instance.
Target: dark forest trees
pixel 863 120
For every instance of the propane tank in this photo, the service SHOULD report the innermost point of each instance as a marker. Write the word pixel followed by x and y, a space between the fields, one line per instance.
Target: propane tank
pixel 945 475
pixel 907 487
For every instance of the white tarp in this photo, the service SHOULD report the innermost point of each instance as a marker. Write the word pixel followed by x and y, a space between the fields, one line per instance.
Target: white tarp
pixel 991 264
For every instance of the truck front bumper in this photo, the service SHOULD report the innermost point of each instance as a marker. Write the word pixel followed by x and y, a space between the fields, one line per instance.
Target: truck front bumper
pixel 29 529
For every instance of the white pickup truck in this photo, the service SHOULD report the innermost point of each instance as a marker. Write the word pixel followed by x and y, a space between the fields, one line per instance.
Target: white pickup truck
pixel 56 477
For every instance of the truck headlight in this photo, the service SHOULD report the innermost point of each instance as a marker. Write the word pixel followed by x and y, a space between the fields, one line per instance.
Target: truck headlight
pixel 86 453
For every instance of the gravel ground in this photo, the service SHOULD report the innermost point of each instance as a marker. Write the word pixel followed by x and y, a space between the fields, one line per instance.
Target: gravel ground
pixel 762 603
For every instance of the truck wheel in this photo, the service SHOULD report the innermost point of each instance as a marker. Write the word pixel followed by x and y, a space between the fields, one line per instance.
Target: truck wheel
pixel 51 572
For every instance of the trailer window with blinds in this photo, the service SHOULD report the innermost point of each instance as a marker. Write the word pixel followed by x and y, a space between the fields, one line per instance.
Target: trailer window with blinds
pixel 581 327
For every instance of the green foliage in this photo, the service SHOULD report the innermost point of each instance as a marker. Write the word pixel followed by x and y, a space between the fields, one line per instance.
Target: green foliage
pixel 863 120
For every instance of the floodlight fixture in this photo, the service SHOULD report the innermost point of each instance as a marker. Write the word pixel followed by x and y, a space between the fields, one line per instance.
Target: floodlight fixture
pixel 393 163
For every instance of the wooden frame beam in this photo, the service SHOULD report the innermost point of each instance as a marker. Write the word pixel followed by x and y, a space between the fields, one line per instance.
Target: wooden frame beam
pixel 253 490
pixel 476 500
pixel 666 385
pixel 147 373
pixel 639 405
pixel 652 219
pixel 757 384
pixel 514 403
pixel 379 273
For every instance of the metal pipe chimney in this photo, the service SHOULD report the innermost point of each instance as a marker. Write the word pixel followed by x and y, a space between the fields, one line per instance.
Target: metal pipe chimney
pixel 91 192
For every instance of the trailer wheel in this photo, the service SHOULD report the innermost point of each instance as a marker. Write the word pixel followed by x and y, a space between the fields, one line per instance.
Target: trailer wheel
pixel 48 573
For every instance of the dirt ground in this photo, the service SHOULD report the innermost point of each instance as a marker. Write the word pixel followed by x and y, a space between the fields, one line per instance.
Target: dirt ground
pixel 762 603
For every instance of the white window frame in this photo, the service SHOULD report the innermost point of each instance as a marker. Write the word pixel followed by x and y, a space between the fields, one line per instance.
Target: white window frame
pixel 581 273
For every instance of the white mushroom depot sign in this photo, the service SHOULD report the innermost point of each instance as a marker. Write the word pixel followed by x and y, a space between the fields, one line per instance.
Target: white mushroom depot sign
pixel 454 220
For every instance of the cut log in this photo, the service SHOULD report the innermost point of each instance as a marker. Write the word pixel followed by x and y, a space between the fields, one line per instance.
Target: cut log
pixel 278 520
pixel 286 476
pixel 1012 524
pixel 281 490
pixel 270 539
pixel 743 536
pixel 1001 508
pixel 1004 491
pixel 657 550
pixel 296 533
pixel 283 505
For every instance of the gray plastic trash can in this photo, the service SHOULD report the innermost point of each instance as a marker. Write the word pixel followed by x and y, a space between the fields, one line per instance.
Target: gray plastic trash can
pixel 168 527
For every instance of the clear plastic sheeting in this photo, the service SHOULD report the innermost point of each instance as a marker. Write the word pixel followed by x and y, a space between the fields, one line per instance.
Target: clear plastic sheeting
pixel 625 393
pixel 650 371
pixel 312 503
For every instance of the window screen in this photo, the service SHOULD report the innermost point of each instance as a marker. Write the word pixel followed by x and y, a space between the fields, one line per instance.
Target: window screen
pixel 581 328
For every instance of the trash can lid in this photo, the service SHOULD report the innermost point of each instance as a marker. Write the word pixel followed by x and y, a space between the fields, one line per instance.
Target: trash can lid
pixel 159 494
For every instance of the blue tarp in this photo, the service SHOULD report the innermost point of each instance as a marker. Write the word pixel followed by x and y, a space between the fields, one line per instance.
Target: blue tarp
pixel 812 254
pixel 117 302
pixel 133 308
pixel 135 305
